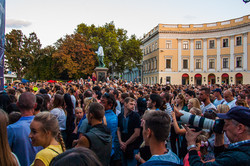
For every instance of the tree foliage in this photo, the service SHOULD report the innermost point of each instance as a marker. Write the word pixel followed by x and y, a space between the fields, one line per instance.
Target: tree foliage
pixel 44 67
pixel 21 51
pixel 74 56
pixel 118 49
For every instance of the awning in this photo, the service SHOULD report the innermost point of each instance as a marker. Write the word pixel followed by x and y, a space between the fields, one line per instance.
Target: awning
pixel 211 76
pixel 185 75
pixel 238 75
pixel 198 76
pixel 225 75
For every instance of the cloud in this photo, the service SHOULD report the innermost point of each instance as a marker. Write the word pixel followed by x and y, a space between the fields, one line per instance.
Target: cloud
pixel 12 23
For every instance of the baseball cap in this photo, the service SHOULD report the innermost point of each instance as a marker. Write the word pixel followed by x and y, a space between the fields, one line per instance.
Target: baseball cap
pixel 217 90
pixel 239 113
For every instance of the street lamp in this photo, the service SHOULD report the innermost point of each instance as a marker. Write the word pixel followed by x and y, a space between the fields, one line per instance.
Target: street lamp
pixel 111 65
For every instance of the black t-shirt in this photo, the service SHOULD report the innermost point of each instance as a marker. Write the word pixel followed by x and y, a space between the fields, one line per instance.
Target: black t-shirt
pixel 133 121
pixel 145 153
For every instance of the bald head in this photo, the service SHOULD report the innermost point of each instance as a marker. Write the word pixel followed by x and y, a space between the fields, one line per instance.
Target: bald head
pixel 27 101
pixel 228 96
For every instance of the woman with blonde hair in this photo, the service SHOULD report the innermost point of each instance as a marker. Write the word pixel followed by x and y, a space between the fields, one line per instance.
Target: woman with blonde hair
pixel 45 132
pixel 194 102
pixel 7 158
pixel 223 108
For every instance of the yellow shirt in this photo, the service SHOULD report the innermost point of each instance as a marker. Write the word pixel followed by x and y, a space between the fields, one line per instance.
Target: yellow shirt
pixel 47 154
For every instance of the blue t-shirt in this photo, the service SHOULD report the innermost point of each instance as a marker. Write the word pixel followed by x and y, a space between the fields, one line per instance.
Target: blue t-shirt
pixel 19 141
pixel 218 102
pixel 112 124
pixel 169 158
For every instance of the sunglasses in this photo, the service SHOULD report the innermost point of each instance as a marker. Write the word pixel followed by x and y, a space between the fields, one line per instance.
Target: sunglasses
pixel 211 112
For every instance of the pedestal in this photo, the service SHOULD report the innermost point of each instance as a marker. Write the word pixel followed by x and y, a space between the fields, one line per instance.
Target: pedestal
pixel 101 74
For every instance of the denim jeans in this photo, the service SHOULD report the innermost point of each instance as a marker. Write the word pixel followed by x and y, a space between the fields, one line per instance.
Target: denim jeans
pixel 130 162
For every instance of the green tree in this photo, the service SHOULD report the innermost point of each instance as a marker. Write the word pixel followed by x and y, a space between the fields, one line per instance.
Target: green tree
pixel 33 48
pixel 132 53
pixel 118 49
pixel 18 54
pixel 48 64
pixel 44 66
pixel 74 56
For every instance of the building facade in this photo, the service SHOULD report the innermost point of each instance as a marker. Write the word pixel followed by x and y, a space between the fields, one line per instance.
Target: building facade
pixel 133 75
pixel 211 53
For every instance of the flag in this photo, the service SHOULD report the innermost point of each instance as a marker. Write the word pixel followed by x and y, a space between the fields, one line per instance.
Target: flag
pixel 2 41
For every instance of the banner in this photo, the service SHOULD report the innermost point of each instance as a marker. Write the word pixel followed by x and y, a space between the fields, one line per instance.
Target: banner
pixel 2 41
pixel 246 1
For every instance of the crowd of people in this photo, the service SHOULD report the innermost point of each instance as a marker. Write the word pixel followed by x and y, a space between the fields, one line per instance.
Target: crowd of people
pixel 122 123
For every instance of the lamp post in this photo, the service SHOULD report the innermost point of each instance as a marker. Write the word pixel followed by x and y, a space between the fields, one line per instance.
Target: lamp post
pixel 112 68
pixel 111 65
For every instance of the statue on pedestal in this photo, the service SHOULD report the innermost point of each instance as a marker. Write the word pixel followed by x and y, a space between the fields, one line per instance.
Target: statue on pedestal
pixel 100 54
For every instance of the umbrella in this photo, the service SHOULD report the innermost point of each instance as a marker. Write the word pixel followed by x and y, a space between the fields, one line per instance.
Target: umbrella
pixel 51 81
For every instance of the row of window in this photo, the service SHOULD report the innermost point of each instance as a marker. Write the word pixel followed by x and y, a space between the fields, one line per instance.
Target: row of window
pixel 150 48
pixel 151 80
pixel 198 43
pixel 211 63
pixel 150 64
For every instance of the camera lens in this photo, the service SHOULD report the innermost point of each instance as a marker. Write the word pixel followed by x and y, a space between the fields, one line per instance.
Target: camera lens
pixel 196 121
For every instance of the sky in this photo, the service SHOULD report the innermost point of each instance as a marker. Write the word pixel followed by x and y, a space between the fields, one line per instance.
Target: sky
pixel 53 19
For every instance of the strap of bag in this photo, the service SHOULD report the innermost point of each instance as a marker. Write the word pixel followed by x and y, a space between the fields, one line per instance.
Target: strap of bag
pixel 53 150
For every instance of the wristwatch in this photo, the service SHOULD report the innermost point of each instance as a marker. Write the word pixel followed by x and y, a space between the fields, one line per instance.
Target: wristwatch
pixel 191 146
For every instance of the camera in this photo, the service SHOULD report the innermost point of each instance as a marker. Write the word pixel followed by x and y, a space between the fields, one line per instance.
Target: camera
pixel 201 122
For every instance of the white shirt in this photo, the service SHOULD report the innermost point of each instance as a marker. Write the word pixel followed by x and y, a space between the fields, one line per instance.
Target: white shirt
pixel 168 110
pixel 73 99
pixel 208 107
pixel 61 117
pixel 231 104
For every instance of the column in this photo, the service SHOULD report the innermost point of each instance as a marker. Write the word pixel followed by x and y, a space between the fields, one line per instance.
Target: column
pixel 244 59
pixel 232 53
pixel 218 55
pixel 192 55
pixel 204 55
pixel 155 63
pixel 179 54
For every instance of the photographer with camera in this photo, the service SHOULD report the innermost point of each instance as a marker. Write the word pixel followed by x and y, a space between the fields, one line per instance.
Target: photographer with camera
pixel 237 129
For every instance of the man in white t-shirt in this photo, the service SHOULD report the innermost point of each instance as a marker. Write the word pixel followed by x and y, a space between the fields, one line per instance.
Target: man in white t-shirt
pixel 205 98
pixel 230 101
pixel 219 99
pixel 73 99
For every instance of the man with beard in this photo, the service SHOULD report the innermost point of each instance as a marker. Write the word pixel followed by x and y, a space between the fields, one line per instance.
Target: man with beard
pixel 204 97
pixel 128 131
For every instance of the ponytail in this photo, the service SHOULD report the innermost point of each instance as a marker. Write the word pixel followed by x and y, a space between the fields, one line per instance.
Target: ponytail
pixel 60 139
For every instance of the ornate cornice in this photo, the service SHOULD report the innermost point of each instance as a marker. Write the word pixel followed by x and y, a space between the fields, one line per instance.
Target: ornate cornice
pixel 207 31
